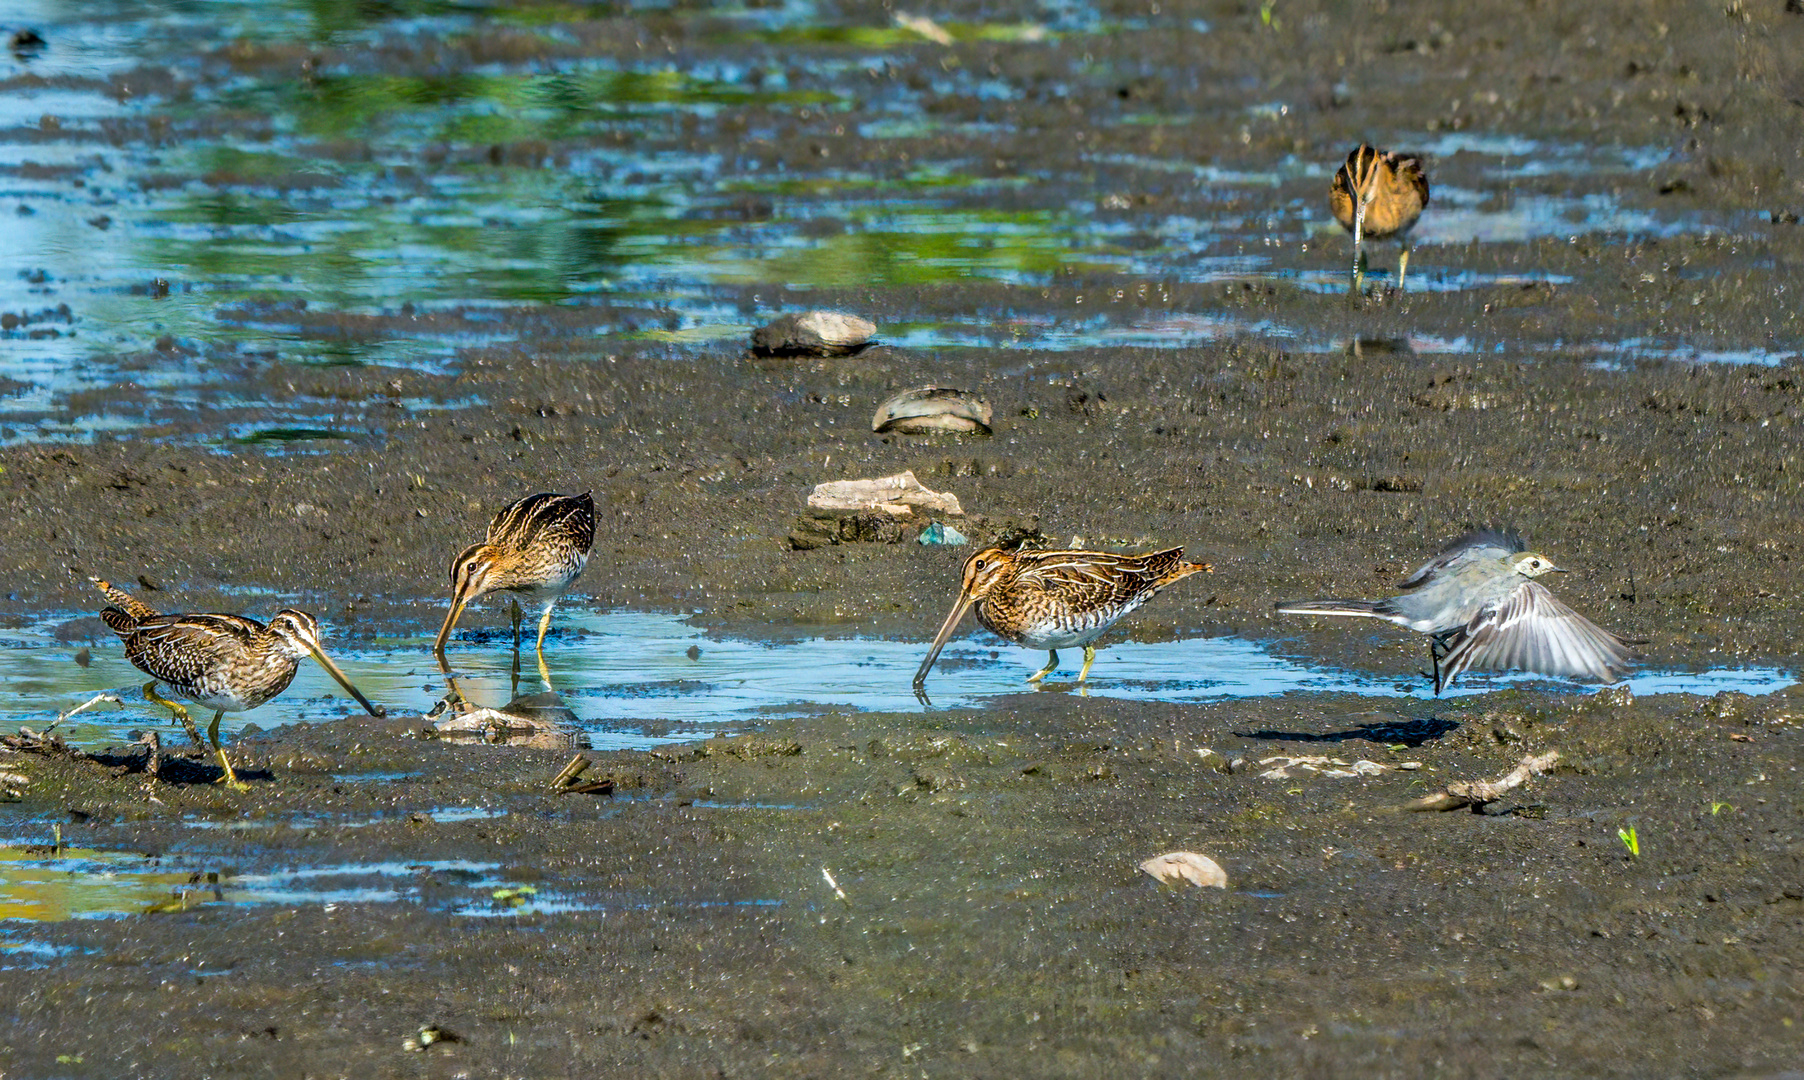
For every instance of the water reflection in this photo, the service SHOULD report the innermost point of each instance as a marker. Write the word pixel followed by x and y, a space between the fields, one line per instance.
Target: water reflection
pixel 633 680
pixel 39 884
pixel 168 171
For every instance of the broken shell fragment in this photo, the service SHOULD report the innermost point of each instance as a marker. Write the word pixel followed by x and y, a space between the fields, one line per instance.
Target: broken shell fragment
pixel 813 333
pixel 1178 867
pixel 933 408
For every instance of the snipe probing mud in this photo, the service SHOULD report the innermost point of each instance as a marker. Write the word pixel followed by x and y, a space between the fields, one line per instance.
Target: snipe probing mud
pixel 1482 608
pixel 1056 600
pixel 1378 194
pixel 228 663
pixel 534 549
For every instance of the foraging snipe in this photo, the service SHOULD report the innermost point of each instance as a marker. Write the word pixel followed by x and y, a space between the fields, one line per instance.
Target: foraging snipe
pixel 1482 608
pixel 226 662
pixel 1056 600
pixel 534 549
pixel 1378 194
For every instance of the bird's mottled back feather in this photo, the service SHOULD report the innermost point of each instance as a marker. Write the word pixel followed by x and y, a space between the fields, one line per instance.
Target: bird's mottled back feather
pixel 183 649
pixel 543 517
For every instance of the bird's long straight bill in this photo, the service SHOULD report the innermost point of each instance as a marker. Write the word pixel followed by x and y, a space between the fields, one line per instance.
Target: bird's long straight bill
pixel 332 670
pixel 939 639
pixel 458 603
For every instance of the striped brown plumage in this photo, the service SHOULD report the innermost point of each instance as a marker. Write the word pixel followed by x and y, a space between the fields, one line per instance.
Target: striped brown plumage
pixel 533 550
pixel 228 663
pixel 1379 194
pixel 1054 600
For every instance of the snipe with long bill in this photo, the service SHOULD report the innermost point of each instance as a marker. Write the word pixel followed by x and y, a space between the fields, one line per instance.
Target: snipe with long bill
pixel 534 549
pixel 1055 600
pixel 228 663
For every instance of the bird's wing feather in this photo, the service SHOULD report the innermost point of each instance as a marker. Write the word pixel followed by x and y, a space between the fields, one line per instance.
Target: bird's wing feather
pixel 1531 630
pixel 1076 576
pixel 181 648
pixel 518 525
pixel 1483 544
pixel 1096 577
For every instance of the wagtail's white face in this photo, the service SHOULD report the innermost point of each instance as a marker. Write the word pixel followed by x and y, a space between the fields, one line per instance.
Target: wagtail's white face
pixel 1531 565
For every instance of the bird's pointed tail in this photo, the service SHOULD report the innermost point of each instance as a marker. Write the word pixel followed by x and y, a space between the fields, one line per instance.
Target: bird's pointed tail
pixel 1370 609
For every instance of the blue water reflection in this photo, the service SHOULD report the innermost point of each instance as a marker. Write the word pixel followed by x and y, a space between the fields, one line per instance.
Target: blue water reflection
pixel 632 683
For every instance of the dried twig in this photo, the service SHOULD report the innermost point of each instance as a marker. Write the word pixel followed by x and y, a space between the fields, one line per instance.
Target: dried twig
pixel 153 744
pixel 570 772
pixel 86 705
pixel 1478 792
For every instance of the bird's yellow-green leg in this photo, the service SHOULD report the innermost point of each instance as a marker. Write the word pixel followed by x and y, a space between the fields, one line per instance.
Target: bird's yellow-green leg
pixel 1047 670
pixel 514 609
pixel 544 625
pixel 1089 658
pixel 230 779
pixel 1402 267
pixel 1359 224
pixel 539 646
pixel 180 711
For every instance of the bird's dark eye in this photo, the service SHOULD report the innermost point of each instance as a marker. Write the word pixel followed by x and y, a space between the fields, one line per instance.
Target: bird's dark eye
pixel 978 565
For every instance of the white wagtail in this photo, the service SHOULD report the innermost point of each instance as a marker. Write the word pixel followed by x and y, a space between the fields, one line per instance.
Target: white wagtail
pixel 1482 607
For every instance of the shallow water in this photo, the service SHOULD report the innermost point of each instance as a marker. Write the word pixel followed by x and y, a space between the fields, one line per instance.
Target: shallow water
pixel 187 191
pixel 41 884
pixel 38 885
pixel 631 682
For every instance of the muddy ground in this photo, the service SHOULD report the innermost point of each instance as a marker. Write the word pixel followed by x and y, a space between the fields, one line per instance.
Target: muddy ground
pixel 993 921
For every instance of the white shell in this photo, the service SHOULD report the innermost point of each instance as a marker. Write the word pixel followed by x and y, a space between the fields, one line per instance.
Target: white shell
pixel 933 408
pixel 1179 867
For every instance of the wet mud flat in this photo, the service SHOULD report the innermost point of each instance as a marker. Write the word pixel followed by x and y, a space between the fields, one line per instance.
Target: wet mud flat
pixel 1670 488
pixel 373 883
pixel 992 912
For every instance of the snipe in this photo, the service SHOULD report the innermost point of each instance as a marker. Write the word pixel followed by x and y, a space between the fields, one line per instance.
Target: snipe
pixel 227 663
pixel 534 549
pixel 1378 194
pixel 1056 600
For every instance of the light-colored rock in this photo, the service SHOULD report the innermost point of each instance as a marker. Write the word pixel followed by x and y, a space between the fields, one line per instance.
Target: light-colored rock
pixel 813 333
pixel 899 494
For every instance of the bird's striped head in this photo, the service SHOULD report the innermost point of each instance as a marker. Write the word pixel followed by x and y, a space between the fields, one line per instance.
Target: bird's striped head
pixel 985 570
pixel 298 630
pixel 473 569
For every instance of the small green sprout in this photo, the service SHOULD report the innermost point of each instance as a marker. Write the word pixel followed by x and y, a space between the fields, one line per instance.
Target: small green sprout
pixel 1718 807
pixel 1630 840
